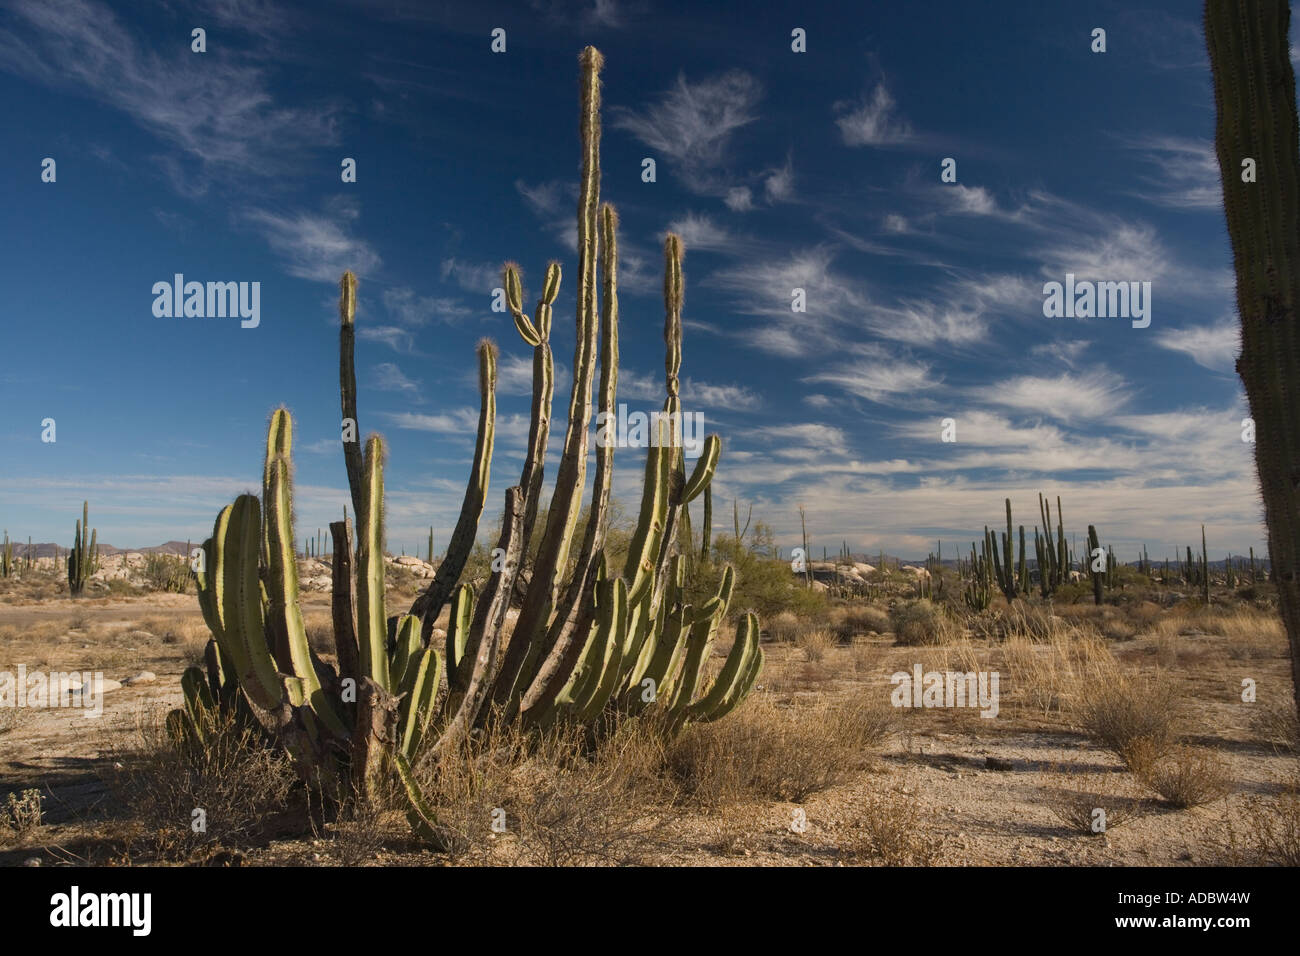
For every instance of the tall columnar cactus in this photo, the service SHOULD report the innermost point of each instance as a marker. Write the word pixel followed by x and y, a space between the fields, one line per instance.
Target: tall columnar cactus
pixel 81 559
pixel 1259 160
pixel 1098 576
pixel 1205 569
pixel 590 644
pixel 7 558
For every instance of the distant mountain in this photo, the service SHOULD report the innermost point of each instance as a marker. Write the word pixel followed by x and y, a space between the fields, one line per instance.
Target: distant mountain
pixel 46 549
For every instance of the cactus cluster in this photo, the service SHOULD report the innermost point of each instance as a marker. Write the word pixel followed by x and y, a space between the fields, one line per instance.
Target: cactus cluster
pixel 83 559
pixel 590 643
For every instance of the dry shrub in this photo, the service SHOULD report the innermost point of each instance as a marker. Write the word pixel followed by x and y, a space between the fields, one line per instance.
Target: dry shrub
pixel 1276 724
pixel 815 643
pixel 565 800
pixel 1074 799
pixel 1131 716
pixel 784 628
pixel 320 633
pixel 20 814
pixel 849 622
pixel 1045 675
pixel 1117 629
pixel 765 751
pixel 1272 831
pixel 237 781
pixel 1186 777
pixel 892 833
pixel 919 622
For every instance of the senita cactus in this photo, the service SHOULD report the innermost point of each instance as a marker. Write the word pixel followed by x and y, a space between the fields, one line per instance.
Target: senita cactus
pixel 588 645
pixel 1259 161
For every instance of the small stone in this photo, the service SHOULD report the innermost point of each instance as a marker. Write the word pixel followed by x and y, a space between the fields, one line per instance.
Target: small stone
pixel 32 861
pixel 144 677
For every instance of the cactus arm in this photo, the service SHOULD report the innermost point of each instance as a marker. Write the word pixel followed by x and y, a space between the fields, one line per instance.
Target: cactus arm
pixel 343 601
pixel 542 664
pixel 727 688
pixel 489 619
pixel 283 613
pixel 372 625
pixel 418 812
pixel 458 623
pixel 570 480
pixel 703 473
pixel 348 383
pixel 429 604
pixel 419 692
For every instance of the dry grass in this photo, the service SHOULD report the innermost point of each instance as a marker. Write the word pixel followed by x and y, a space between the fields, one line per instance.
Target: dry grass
pixel 764 750
pixel 850 621
pixel 1092 804
pixel 920 622
pixel 1130 715
pixel 236 781
pixel 1044 676
pixel 815 643
pixel 784 628
pixel 1276 724
pixel 1186 777
pixel 892 832
pixel 1272 831
pixel 553 799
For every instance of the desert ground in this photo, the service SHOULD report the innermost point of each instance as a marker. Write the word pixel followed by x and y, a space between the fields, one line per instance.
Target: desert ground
pixel 1134 707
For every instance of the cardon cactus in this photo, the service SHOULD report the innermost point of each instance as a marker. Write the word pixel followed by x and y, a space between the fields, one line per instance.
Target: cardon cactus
pixel 591 643
pixel 1256 139
pixel 83 556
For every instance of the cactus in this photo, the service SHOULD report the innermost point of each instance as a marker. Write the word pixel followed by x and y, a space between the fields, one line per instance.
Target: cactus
pixel 978 592
pixel 83 556
pixel 588 649
pixel 1098 577
pixel 1255 100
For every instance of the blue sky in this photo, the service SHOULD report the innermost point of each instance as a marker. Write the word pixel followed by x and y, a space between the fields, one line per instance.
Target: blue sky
pixel 781 170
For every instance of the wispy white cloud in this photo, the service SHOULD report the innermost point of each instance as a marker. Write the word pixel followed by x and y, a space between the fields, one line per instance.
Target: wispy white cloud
pixel 1211 346
pixel 387 377
pixel 1186 172
pixel 1067 397
pixel 872 121
pixel 693 124
pixel 218 111
pixel 410 309
pixel 314 245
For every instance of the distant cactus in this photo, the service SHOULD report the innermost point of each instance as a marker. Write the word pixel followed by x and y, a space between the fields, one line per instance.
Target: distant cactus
pixel 1098 577
pixel 82 557
pixel 7 558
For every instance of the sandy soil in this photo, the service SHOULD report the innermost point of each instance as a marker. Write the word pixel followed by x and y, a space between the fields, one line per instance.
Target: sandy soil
pixel 980 786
